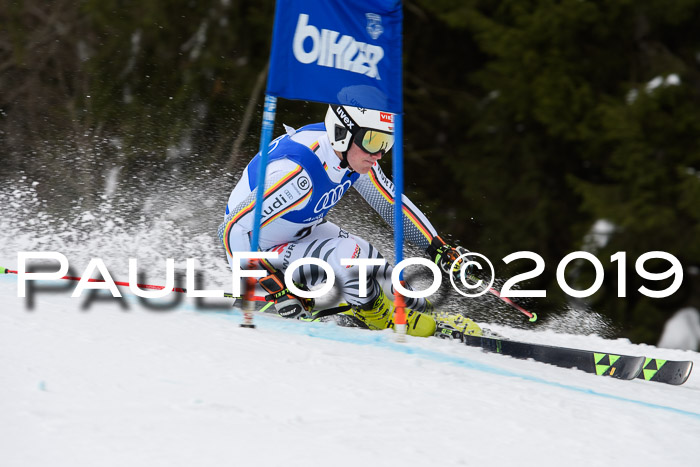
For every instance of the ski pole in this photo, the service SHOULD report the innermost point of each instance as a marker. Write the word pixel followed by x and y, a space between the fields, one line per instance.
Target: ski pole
pixel 126 284
pixel 317 314
pixel 532 316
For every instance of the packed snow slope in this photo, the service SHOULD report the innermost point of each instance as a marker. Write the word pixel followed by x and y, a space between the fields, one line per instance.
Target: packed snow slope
pixel 112 383
pixel 101 382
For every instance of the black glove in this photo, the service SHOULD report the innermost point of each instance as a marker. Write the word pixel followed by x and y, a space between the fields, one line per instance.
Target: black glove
pixel 445 256
pixel 286 303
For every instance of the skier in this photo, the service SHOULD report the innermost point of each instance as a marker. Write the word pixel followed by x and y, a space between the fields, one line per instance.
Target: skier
pixel 309 171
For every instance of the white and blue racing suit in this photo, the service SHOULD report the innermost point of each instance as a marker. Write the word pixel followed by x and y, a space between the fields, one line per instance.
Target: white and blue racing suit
pixel 304 181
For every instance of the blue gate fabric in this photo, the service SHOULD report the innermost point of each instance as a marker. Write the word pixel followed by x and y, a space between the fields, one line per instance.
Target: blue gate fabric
pixel 338 52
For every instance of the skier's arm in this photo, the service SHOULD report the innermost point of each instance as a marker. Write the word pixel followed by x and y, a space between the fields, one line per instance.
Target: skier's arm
pixel 378 191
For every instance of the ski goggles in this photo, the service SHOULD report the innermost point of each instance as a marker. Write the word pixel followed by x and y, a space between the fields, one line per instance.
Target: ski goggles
pixel 374 141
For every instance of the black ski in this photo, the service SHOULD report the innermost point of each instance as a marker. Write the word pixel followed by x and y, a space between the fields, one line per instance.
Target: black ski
pixel 598 363
pixel 666 371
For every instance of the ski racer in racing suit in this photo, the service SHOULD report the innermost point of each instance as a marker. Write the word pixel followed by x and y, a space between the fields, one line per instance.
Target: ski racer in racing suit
pixel 309 171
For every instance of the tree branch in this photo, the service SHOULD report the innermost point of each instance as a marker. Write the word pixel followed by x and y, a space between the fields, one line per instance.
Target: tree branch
pixel 248 115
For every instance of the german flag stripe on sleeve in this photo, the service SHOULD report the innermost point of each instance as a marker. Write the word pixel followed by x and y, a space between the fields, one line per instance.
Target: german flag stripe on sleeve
pixel 269 192
pixel 415 220
pixel 380 187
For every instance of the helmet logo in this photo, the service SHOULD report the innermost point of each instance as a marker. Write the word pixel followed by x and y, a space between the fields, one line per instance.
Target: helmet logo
pixel 386 117
pixel 343 116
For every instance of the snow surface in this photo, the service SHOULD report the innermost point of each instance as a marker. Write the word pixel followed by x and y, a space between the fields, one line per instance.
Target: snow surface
pixel 93 384
pixel 104 386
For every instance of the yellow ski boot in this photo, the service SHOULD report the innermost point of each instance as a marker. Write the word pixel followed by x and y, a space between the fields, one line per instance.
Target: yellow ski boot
pixel 381 316
pixel 453 325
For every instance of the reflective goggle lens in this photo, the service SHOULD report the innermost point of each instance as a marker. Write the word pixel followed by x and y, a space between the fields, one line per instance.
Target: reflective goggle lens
pixel 374 141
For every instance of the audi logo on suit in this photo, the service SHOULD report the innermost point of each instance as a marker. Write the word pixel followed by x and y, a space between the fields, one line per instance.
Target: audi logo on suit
pixel 331 197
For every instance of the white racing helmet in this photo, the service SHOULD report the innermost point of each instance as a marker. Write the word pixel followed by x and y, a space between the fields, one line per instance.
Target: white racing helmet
pixel 372 130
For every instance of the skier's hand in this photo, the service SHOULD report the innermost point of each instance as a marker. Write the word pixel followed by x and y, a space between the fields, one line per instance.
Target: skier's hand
pixel 286 303
pixel 448 257
pixel 291 306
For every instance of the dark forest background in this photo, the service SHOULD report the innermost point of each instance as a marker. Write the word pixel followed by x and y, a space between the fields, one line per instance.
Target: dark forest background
pixel 527 122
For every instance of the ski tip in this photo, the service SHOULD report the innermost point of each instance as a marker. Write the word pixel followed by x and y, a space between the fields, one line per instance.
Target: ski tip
pixel 534 318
